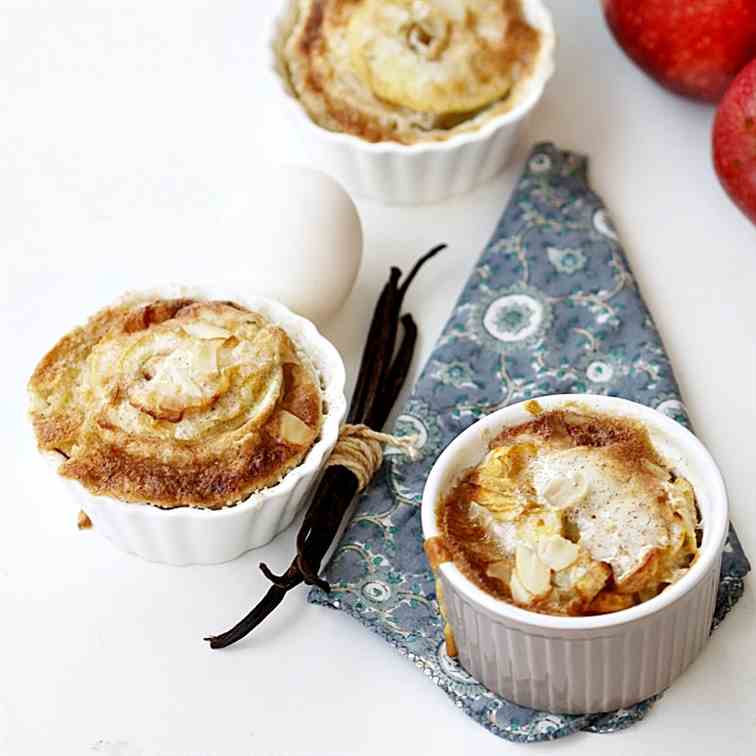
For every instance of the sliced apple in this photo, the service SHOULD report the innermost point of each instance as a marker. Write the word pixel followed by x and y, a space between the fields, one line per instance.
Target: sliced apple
pixel 534 574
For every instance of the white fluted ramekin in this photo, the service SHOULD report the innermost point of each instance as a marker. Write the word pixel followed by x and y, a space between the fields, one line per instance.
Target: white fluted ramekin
pixel 400 174
pixel 188 535
pixel 584 664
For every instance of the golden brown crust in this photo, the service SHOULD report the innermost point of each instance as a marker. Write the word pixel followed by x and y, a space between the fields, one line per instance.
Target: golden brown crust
pixel 436 551
pixel 176 403
pixel 57 376
pixel 83 522
pixel 608 601
pixel 405 71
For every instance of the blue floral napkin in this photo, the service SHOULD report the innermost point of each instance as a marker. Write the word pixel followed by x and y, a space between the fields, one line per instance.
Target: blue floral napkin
pixel 550 307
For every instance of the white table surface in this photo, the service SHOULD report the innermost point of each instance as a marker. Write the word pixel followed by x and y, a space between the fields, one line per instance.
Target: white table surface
pixel 127 132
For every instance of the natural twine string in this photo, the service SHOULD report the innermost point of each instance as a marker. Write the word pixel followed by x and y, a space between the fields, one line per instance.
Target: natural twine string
pixel 360 450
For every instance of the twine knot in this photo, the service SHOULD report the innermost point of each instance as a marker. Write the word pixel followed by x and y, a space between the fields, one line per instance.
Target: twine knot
pixel 360 450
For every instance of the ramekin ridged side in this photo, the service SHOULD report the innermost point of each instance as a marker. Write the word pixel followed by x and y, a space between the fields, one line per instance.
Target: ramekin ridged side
pixel 421 173
pixel 577 675
pixel 593 664
pixel 187 535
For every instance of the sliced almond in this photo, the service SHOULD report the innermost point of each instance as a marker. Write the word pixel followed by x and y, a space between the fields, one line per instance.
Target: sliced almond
pixel 539 523
pixel 565 491
pixel 519 592
pixel 201 329
pixel 556 552
pixel 294 431
pixel 532 572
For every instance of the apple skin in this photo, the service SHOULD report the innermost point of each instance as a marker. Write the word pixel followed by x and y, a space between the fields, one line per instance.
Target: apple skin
pixel 693 47
pixel 734 141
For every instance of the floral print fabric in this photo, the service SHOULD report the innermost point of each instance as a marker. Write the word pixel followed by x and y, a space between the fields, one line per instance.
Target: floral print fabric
pixel 550 307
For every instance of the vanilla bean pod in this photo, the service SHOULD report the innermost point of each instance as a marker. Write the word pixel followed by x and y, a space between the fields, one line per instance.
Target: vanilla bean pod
pixel 380 340
pixel 379 381
pixel 325 512
pixel 399 368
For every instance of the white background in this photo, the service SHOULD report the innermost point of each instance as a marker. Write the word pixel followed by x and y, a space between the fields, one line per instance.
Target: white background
pixel 131 134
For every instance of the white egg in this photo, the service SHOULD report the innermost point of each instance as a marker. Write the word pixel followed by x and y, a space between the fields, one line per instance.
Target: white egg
pixel 306 242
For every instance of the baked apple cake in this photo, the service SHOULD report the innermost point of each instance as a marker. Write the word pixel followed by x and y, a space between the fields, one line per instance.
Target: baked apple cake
pixel 408 71
pixel 572 513
pixel 176 402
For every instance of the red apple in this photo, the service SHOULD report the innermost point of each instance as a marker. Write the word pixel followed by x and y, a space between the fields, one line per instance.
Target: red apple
pixel 734 141
pixel 693 47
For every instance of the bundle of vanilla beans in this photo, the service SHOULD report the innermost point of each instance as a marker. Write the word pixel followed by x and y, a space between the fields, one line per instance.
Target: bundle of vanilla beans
pixel 382 373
